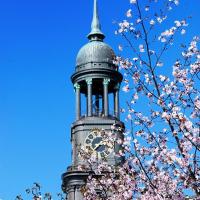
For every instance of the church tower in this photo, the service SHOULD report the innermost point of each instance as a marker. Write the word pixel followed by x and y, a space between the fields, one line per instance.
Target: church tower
pixel 96 82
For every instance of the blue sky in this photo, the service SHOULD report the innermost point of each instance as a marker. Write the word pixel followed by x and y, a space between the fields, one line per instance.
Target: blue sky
pixel 39 41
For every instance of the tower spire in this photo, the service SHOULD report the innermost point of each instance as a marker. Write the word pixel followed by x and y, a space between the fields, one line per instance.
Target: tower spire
pixel 96 33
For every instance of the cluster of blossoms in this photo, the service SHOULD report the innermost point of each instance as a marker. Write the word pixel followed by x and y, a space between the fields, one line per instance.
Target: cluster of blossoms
pixel 170 32
pixel 123 63
pixel 125 26
pixel 35 193
pixel 161 146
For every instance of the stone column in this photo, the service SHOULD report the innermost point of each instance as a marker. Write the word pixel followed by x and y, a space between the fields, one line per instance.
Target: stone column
pixel 78 194
pixel 78 100
pixel 89 97
pixel 71 192
pixel 102 109
pixel 105 91
pixel 97 104
pixel 116 101
pixel 86 100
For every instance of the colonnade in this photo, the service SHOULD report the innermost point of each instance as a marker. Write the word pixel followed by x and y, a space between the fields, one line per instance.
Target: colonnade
pixel 105 99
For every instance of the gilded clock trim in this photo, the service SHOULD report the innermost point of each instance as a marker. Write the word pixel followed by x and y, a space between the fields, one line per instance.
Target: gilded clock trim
pixel 95 142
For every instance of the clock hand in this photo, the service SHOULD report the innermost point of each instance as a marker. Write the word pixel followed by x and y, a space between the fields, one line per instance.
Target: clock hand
pixel 99 144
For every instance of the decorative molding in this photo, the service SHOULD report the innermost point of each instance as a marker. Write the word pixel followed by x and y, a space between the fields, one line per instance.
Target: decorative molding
pixel 106 81
pixel 89 81
pixel 77 86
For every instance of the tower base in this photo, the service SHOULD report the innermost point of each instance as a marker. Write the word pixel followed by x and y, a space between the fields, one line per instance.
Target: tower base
pixel 72 181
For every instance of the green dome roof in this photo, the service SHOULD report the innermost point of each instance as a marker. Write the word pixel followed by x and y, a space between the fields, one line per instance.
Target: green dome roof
pixel 95 51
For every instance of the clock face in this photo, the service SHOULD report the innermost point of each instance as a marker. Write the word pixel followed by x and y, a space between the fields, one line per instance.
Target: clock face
pixel 95 142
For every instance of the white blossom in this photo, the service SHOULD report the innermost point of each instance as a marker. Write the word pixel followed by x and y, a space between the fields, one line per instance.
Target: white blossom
pixel 129 13
pixel 152 22
pixel 141 48
pixel 133 1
